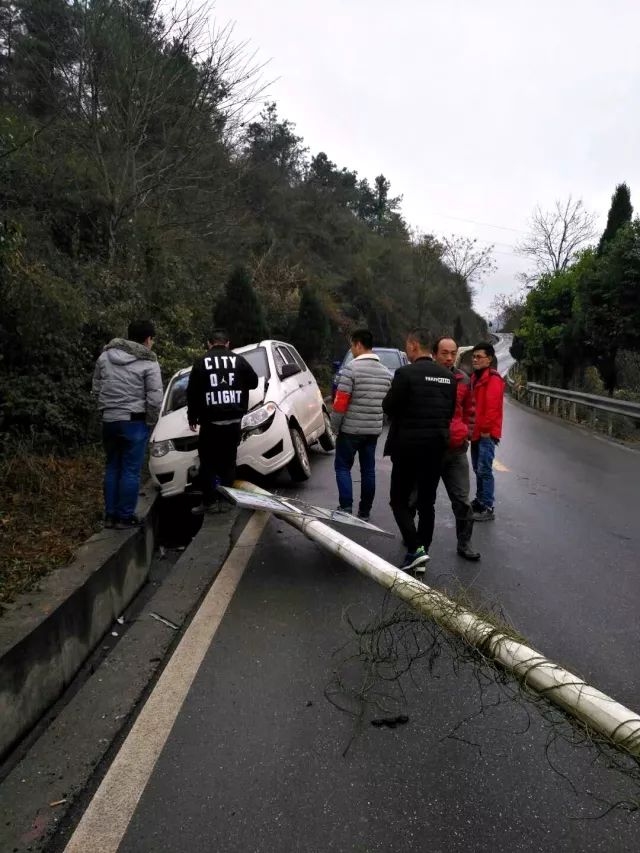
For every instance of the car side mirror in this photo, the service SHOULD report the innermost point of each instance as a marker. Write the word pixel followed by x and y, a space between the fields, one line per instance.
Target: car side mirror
pixel 288 370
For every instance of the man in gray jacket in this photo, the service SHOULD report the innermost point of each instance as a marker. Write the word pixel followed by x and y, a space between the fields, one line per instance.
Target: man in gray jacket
pixel 357 419
pixel 128 385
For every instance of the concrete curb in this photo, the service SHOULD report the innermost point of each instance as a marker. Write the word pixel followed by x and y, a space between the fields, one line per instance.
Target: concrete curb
pixel 47 635
pixel 78 745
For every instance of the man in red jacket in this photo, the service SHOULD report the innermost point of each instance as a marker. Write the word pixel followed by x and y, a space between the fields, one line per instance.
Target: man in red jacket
pixel 455 467
pixel 488 394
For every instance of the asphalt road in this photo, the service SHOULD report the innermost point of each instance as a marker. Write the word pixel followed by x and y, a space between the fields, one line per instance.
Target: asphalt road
pixel 255 761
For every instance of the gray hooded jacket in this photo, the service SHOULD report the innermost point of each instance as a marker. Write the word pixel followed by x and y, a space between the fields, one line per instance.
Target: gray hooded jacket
pixel 127 381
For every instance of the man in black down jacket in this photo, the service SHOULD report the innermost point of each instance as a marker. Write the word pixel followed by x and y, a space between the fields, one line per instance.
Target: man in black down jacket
pixel 420 404
pixel 217 400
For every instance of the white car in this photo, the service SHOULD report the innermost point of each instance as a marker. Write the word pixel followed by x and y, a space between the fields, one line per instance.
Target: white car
pixel 286 414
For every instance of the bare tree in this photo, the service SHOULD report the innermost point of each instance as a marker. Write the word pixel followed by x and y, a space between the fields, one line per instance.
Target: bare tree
pixel 466 258
pixel 555 237
pixel 508 310
pixel 155 95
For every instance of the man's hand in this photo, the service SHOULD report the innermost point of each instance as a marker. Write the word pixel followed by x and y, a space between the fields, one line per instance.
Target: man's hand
pixel 485 435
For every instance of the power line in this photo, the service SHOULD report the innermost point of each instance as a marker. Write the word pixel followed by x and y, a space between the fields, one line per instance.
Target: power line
pixel 484 224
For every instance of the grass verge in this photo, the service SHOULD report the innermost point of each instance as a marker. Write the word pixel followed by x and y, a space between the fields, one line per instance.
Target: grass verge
pixel 48 506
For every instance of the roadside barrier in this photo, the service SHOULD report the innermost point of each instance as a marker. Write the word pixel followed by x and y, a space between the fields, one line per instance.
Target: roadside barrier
pixel 564 402
pixel 593 708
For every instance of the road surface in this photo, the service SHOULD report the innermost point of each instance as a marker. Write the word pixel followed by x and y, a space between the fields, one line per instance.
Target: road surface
pixel 255 760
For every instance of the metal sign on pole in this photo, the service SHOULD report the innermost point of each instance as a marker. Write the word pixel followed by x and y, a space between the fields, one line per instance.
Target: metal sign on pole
pixel 267 502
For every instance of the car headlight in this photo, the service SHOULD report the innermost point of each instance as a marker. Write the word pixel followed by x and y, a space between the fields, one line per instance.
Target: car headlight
pixel 161 448
pixel 258 417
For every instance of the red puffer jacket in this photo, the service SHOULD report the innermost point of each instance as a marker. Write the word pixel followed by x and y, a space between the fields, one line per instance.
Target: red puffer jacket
pixel 488 395
pixel 462 424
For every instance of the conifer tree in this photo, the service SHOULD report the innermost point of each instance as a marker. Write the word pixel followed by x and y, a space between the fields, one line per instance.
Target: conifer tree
pixel 312 330
pixel 239 311
pixel 620 214
pixel 458 331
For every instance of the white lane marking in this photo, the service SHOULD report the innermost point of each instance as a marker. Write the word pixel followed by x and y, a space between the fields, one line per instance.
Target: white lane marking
pixel 105 822
pixel 497 464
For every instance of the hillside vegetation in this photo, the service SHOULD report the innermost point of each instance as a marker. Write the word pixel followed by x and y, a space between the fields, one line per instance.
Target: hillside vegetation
pixel 133 185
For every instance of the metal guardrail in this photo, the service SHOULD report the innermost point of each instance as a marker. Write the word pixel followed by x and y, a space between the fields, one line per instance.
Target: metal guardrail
pixel 541 396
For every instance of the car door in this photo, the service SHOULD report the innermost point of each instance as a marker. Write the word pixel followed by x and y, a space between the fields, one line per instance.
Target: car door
pixel 292 386
pixel 312 396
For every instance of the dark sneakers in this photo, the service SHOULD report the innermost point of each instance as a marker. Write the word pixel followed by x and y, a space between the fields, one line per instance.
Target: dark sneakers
pixel 364 516
pixel 415 561
pixel 484 514
pixel 109 522
pixel 212 509
pixel 128 523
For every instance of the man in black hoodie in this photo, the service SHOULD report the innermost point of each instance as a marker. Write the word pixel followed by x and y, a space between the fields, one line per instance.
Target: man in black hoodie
pixel 217 400
pixel 420 404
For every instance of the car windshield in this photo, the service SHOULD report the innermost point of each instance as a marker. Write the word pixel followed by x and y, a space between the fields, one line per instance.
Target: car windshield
pixel 257 358
pixel 389 357
pixel 177 394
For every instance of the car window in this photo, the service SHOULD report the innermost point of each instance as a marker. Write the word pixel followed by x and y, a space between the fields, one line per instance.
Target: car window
pixel 257 358
pixel 390 358
pixel 297 357
pixel 177 394
pixel 283 355
pixel 278 359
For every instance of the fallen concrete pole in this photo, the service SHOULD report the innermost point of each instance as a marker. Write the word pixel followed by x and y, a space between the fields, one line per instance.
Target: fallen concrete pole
pixel 593 708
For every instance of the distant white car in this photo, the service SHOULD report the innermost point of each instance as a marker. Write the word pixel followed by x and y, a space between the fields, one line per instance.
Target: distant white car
pixel 286 414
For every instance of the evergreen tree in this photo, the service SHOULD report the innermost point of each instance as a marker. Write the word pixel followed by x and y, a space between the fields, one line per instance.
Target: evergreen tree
pixel 312 330
pixel 610 302
pixel 620 214
pixel 517 348
pixel 239 311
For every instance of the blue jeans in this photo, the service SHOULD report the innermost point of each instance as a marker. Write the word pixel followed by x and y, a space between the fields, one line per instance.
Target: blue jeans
pixel 482 453
pixel 124 446
pixel 346 448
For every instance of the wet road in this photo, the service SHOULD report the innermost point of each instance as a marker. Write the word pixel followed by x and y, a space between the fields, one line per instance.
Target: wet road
pixel 255 760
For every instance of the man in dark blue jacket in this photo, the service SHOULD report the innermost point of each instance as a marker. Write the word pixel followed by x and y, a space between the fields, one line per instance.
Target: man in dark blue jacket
pixel 420 404
pixel 217 400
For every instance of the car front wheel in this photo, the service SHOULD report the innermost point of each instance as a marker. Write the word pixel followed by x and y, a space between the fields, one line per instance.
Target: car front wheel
pixel 299 468
pixel 328 438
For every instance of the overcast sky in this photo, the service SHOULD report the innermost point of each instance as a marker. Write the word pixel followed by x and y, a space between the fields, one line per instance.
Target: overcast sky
pixel 473 110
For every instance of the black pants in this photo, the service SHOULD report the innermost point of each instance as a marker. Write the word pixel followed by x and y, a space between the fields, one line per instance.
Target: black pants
pixel 455 476
pixel 416 469
pixel 217 449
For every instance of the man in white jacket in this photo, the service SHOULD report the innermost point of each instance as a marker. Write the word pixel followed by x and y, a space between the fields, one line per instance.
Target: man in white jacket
pixel 128 385
pixel 357 419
